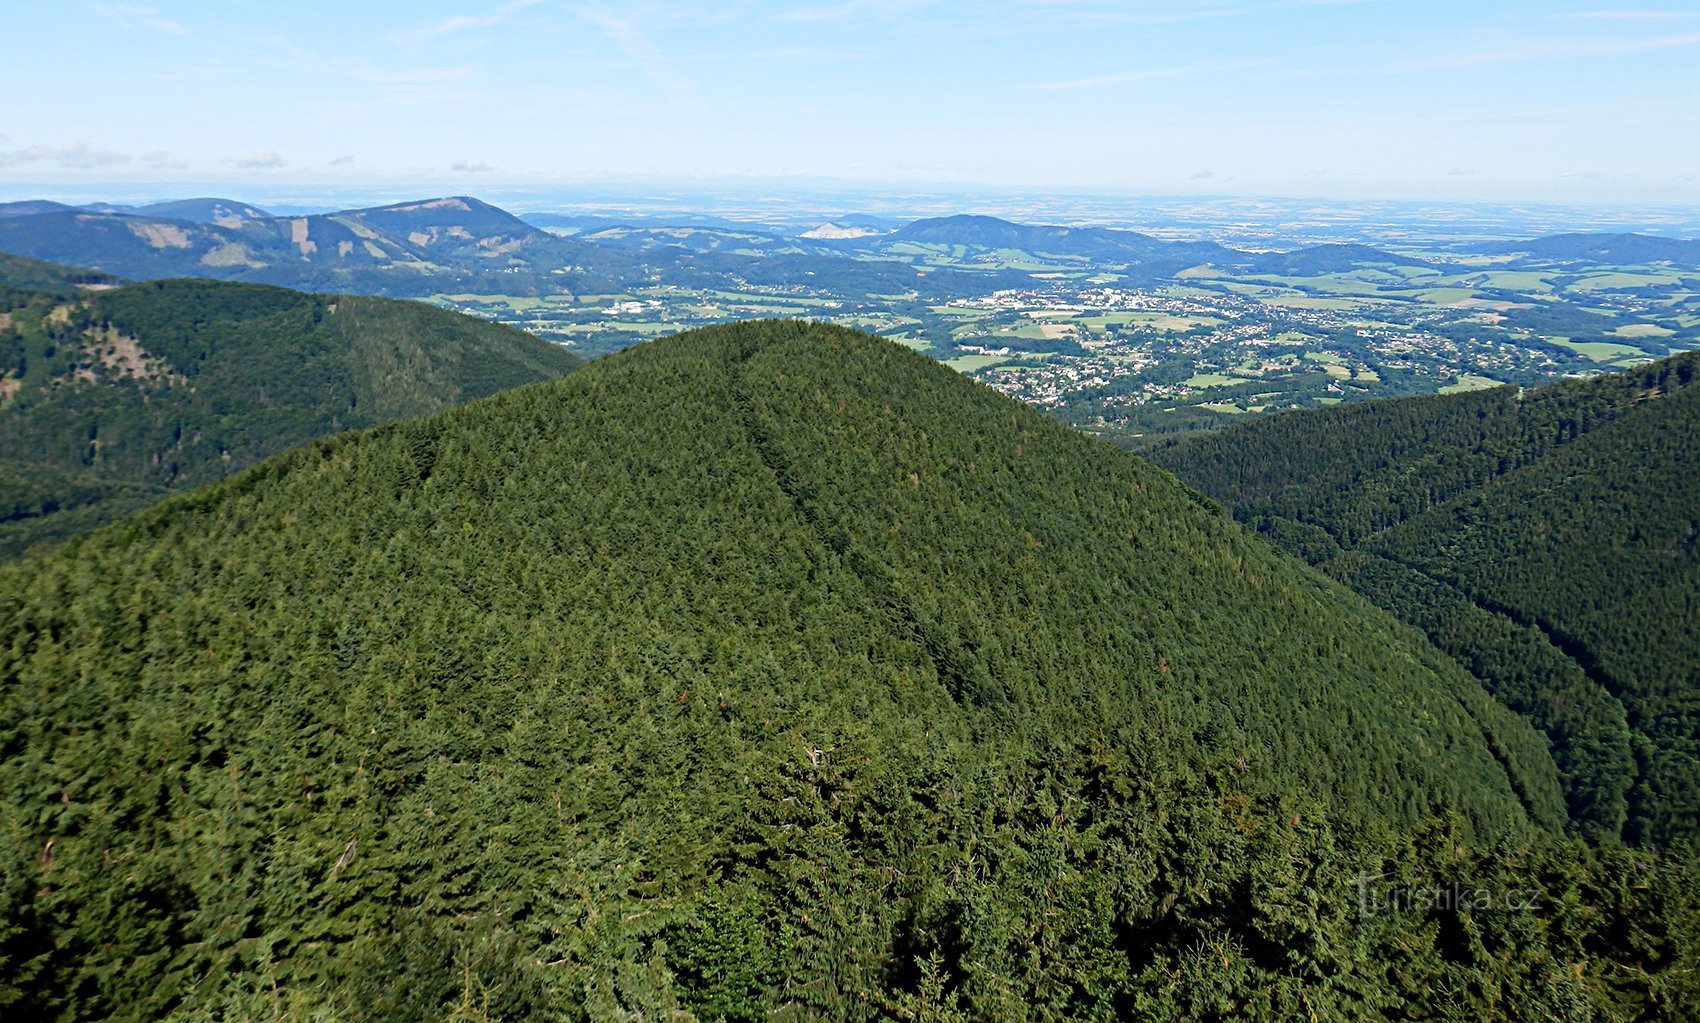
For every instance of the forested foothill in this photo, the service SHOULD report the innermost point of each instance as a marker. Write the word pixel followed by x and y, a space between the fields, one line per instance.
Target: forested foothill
pixel 1545 538
pixel 768 672
pixel 112 396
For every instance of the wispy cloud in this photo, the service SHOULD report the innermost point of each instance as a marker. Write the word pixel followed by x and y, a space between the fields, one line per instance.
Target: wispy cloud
pixel 260 161
pixel 412 76
pixel 470 167
pixel 857 9
pixel 1173 16
pixel 1633 15
pixel 139 17
pixel 464 22
pixel 341 161
pixel 1178 14
pixel 1143 75
pixel 1552 49
pixel 77 156
pixel 632 41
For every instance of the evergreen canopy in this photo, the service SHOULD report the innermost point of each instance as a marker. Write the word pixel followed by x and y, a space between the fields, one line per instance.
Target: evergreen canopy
pixel 769 671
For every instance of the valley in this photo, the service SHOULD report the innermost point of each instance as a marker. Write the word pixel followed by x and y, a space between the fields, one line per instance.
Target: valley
pixel 1125 334
pixel 1123 361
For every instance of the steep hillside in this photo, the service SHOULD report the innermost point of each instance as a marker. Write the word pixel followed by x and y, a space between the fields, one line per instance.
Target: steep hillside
pixel 766 672
pixel 22 274
pixel 133 391
pixel 1547 539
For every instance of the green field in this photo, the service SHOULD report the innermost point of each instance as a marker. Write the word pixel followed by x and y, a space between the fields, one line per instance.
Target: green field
pixel 1624 281
pixel 1642 330
pixel 1470 382
pixel 1340 304
pixel 1161 322
pixel 1444 296
pixel 514 303
pixel 970 363
pixel 1330 285
pixel 1599 351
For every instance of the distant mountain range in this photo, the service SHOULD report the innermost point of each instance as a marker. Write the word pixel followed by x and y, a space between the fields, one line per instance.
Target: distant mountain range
pixel 458 241
pixel 461 245
pixel 225 212
pixel 448 244
pixel 217 238
pixel 1627 249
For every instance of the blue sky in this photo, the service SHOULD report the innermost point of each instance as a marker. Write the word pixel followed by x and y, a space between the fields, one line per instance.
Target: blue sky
pixel 1511 101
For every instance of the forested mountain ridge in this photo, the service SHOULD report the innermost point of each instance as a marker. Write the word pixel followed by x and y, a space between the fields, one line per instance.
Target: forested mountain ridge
pixel 23 274
pixel 111 397
pixel 420 248
pixel 205 210
pixel 1082 242
pixel 1545 538
pixel 209 238
pixel 767 671
pixel 1621 248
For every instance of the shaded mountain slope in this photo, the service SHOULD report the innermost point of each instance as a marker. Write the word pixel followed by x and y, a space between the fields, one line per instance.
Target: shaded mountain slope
pixel 193 239
pixel 428 247
pixel 22 274
pixel 31 208
pixel 1094 243
pixel 174 384
pixel 1315 260
pixel 1621 248
pixel 205 210
pixel 769 669
pixel 1547 538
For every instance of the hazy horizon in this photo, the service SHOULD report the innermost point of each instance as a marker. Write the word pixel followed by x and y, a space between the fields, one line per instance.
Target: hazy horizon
pixel 1568 103
pixel 1259 221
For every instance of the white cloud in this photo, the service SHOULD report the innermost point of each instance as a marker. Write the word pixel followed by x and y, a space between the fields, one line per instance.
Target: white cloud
pixel 260 161
pixel 77 156
pixel 469 167
pixel 159 159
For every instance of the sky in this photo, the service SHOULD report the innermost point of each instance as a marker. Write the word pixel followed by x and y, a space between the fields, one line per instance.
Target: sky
pixel 1513 101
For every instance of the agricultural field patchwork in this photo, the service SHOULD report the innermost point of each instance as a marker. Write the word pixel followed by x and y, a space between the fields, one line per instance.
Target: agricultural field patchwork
pixel 1118 351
